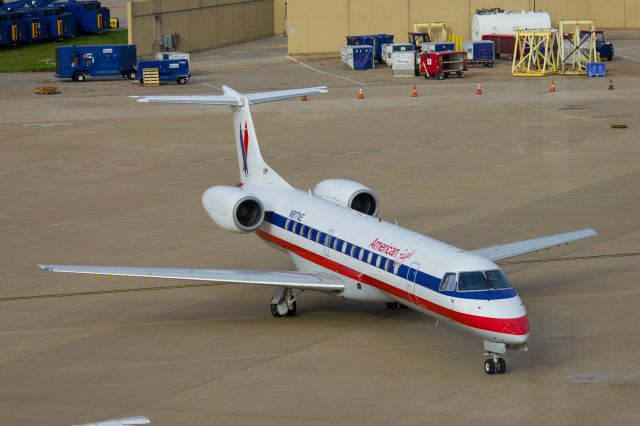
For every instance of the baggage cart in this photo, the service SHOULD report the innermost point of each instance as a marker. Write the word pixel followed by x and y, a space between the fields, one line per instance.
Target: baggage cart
pixel 479 52
pixel 80 62
pixel 503 44
pixel 441 64
pixel 168 70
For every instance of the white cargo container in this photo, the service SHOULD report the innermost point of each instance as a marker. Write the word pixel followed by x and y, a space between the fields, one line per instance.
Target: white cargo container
pixel 357 57
pixel 507 23
pixel 172 55
pixel 403 63
pixel 388 49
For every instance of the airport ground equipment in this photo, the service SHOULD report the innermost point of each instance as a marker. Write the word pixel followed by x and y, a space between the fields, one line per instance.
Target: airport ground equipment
pixel 501 22
pixel 438 46
pixel 441 64
pixel 596 69
pixel 357 57
pixel 375 40
pixel 603 47
pixel 578 46
pixel 479 52
pixel 388 49
pixel 437 30
pixel 168 70
pixel 13 28
pixel 503 44
pixel 90 16
pixel 80 62
pixel 417 38
pixel 534 53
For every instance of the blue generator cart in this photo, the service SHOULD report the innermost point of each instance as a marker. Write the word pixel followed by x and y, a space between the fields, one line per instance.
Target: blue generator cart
pixel 80 62
pixel 168 70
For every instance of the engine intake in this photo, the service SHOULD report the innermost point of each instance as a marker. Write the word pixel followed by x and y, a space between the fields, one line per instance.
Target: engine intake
pixel 232 209
pixel 350 194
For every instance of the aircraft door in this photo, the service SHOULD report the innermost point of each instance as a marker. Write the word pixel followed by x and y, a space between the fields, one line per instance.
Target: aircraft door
pixel 328 239
pixel 412 276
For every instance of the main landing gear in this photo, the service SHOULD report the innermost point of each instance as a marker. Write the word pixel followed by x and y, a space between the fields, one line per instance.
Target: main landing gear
pixel 283 303
pixel 495 365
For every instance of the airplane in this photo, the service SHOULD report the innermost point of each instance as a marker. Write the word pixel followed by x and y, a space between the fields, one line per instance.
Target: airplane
pixel 340 246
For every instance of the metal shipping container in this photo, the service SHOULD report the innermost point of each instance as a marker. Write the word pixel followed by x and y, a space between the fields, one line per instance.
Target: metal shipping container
pixel 387 49
pixel 80 62
pixel 503 44
pixel 479 52
pixel 357 57
pixel 438 46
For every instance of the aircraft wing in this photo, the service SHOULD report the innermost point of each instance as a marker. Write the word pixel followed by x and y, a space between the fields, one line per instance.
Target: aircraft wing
pixel 300 280
pixel 506 251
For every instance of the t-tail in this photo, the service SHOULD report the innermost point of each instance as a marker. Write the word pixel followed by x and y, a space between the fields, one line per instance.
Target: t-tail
pixel 253 168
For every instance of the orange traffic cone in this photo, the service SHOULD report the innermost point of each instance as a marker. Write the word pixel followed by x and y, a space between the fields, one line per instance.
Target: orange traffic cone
pixel 610 84
pixel 478 90
pixel 552 87
pixel 360 94
pixel 304 98
pixel 414 92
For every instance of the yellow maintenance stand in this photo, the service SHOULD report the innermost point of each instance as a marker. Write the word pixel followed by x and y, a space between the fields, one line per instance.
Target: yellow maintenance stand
pixel 534 54
pixel 436 30
pixel 578 46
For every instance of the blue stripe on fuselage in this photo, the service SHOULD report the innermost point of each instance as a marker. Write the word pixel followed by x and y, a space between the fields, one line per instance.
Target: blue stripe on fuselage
pixel 422 279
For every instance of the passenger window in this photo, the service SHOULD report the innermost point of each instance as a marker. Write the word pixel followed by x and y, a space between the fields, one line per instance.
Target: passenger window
pixel 320 237
pixel 378 260
pixel 335 243
pixel 312 234
pixel 294 227
pixel 345 246
pixel 287 224
pixel 448 282
pixel 363 252
pixel 472 281
pixel 497 280
pixel 303 230
pixel 353 251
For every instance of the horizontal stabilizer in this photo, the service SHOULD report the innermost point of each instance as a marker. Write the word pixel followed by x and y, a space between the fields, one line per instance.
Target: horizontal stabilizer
pixel 299 280
pixel 231 97
pixel 518 248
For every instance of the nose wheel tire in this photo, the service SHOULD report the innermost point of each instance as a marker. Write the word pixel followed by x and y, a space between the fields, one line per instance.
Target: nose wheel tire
pixel 495 366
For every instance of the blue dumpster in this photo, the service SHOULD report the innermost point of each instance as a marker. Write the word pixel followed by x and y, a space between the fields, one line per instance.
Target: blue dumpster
pixel 168 70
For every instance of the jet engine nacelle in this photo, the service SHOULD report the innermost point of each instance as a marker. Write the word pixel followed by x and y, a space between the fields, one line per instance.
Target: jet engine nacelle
pixel 350 194
pixel 232 209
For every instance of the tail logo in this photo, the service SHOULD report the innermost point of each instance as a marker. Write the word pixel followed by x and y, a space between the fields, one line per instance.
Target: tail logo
pixel 244 148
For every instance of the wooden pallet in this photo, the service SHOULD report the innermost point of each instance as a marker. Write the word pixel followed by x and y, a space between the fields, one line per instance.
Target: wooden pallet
pixel 46 90
pixel 151 77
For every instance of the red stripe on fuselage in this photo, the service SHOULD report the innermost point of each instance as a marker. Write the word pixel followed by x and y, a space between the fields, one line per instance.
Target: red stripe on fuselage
pixel 516 326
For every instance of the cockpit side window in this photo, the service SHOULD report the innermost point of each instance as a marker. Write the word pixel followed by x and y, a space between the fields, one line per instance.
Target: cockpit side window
pixel 497 280
pixel 472 281
pixel 448 282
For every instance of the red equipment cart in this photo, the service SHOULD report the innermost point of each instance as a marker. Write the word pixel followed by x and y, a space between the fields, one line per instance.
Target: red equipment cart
pixel 441 64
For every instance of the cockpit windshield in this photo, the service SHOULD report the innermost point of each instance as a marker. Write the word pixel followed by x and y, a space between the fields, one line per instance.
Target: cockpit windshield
pixel 472 281
pixel 497 280
pixel 475 281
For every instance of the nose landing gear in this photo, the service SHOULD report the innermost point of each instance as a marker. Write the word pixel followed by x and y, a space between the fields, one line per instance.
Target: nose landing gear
pixel 495 365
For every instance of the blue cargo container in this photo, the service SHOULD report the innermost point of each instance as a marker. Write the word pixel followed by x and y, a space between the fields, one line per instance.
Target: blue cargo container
pixel 80 62
pixel 59 23
pixel 374 40
pixel 90 16
pixel 479 52
pixel 437 46
pixel 168 70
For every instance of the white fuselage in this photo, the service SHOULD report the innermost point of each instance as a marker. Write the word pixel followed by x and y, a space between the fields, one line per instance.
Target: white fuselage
pixel 380 261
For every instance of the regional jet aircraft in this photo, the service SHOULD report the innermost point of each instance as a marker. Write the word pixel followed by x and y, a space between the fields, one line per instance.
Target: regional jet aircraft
pixel 340 247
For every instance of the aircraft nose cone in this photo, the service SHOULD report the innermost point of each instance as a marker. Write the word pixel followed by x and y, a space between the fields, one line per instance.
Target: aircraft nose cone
pixel 517 326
